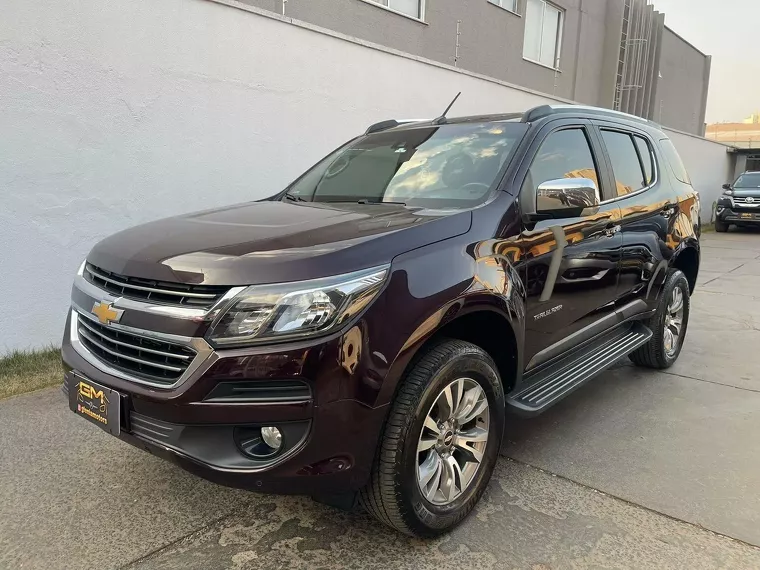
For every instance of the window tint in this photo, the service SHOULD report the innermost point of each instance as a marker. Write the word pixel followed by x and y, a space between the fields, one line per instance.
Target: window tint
pixel 625 162
pixel 671 154
pixel 564 154
pixel 646 159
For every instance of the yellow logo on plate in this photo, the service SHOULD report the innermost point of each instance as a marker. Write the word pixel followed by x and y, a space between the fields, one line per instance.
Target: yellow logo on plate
pixel 93 395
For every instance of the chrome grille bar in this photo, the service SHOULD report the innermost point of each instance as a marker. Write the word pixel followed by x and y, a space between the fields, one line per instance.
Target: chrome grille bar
pixel 159 292
pixel 83 322
pixel 83 334
pixel 126 285
pixel 161 362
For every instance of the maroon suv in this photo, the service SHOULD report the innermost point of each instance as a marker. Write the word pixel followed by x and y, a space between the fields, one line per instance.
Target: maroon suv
pixel 363 333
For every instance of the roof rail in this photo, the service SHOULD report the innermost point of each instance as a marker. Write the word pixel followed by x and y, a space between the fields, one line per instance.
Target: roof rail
pixel 382 126
pixel 389 124
pixel 546 110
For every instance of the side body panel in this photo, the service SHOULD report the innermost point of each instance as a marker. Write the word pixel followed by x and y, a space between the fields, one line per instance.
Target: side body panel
pixel 657 224
pixel 570 266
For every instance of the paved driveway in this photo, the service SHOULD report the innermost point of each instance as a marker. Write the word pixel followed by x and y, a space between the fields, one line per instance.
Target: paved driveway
pixel 638 469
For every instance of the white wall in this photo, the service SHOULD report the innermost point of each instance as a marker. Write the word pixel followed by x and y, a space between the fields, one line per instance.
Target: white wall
pixel 114 113
pixel 709 166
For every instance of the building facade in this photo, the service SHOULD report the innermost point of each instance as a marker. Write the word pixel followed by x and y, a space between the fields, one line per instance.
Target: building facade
pixel 610 53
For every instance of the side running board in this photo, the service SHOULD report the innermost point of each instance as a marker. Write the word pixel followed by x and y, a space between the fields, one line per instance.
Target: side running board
pixel 551 383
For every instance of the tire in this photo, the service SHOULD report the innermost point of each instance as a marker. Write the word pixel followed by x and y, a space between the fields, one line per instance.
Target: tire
pixel 721 227
pixel 394 494
pixel 656 353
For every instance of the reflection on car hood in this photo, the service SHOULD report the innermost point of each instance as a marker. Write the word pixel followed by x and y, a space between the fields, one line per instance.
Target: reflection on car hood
pixel 269 242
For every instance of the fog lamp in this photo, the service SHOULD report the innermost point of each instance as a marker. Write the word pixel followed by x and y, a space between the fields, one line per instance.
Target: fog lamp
pixel 272 437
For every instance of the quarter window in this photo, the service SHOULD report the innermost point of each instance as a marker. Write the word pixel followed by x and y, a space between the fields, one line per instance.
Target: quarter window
pixel 564 154
pixel 413 8
pixel 670 152
pixel 543 32
pixel 626 167
pixel 510 5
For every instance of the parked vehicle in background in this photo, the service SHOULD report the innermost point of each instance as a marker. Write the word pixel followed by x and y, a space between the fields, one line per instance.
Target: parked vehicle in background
pixel 740 203
pixel 363 333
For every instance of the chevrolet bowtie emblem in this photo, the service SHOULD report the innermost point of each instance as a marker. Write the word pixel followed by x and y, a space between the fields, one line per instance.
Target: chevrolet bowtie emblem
pixel 106 313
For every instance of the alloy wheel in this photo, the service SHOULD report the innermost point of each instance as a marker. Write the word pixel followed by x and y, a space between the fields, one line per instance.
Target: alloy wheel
pixel 673 322
pixel 453 441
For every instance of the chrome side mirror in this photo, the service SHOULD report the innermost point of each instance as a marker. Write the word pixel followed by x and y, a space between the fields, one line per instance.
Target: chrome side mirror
pixel 566 197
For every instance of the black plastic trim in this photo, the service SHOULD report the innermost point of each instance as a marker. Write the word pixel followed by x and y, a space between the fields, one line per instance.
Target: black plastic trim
pixel 260 391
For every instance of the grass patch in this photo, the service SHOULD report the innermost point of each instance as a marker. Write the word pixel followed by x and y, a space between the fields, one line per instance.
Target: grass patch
pixel 23 371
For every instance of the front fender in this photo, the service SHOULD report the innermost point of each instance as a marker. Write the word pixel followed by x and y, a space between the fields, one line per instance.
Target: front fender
pixel 434 286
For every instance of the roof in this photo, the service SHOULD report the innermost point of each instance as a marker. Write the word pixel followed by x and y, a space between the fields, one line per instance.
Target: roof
pixel 532 115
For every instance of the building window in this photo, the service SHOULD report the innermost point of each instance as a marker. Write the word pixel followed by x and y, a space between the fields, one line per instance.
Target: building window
pixel 510 5
pixel 543 32
pixel 413 8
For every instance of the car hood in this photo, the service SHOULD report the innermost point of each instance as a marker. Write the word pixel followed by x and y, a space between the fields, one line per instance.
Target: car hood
pixel 743 192
pixel 271 242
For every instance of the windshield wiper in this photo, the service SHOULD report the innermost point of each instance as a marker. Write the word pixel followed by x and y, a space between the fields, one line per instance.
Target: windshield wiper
pixel 293 197
pixel 366 201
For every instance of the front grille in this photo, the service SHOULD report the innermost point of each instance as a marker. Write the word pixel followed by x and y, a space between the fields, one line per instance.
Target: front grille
pixel 742 203
pixel 140 356
pixel 154 291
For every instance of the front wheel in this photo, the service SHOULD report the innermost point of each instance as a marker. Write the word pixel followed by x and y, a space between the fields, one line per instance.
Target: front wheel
pixel 441 441
pixel 720 227
pixel 668 324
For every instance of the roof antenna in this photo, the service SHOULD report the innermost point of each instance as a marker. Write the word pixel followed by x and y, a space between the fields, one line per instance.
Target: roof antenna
pixel 442 119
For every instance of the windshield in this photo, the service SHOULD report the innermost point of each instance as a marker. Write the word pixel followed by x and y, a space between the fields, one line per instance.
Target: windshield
pixel 748 180
pixel 447 166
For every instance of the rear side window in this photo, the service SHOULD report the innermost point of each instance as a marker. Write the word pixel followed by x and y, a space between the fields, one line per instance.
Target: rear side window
pixel 626 166
pixel 645 153
pixel 672 156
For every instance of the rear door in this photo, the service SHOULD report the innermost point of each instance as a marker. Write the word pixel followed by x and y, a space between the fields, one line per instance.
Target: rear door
pixel 648 209
pixel 570 265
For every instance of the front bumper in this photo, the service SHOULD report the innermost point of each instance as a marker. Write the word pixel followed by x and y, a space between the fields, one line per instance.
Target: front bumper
pixel 731 213
pixel 332 438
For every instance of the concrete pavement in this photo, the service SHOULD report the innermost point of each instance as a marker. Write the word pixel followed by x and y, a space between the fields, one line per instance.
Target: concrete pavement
pixel 636 470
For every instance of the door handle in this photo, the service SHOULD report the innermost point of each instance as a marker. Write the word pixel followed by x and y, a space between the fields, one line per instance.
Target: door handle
pixel 668 211
pixel 611 229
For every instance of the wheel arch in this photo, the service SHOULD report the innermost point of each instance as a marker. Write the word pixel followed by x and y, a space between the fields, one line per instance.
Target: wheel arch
pixel 687 261
pixel 481 323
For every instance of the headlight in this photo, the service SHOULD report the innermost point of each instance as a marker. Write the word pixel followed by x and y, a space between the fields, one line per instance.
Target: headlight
pixel 728 192
pixel 263 313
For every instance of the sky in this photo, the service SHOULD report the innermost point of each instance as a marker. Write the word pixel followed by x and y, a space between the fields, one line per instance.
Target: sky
pixel 728 30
